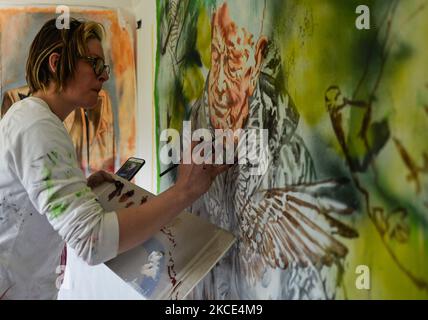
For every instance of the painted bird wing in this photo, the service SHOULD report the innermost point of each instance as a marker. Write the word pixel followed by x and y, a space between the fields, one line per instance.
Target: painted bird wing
pixel 293 225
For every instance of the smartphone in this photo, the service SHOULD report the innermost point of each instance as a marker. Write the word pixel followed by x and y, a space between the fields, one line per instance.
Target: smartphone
pixel 130 168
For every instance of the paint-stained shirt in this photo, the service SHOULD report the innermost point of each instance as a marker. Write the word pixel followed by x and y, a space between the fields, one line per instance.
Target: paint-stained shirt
pixel 44 201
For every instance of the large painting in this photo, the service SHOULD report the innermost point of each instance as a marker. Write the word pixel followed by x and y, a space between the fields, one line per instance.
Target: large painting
pixel 341 212
pixel 105 136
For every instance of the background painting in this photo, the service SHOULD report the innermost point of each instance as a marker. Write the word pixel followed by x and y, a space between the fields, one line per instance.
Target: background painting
pixel 347 114
pixel 110 128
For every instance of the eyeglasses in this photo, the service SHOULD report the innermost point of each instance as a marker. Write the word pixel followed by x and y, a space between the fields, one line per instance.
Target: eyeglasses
pixel 98 65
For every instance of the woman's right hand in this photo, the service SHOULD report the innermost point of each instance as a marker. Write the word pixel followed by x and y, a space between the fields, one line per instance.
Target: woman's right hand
pixel 138 224
pixel 196 179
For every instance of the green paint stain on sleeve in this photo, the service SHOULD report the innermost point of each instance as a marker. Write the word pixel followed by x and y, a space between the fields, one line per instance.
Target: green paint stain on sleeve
pixel 83 192
pixel 58 209
pixel 46 174
pixel 47 178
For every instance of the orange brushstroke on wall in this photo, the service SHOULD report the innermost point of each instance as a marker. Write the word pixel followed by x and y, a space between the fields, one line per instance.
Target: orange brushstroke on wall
pixel 121 51
pixel 131 139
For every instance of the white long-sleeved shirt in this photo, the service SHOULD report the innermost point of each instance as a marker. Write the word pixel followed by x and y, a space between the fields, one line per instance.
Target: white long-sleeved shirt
pixel 44 201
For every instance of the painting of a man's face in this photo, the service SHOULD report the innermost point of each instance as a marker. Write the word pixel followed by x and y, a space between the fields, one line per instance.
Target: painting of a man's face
pixel 235 67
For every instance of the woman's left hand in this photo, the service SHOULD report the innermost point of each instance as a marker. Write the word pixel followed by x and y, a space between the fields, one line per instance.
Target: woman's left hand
pixel 98 178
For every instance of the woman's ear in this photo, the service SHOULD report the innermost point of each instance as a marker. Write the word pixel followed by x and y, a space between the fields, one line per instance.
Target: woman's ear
pixel 258 57
pixel 53 62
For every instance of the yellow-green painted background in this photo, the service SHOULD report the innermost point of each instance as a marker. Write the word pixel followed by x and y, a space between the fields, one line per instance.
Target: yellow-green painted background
pixel 385 67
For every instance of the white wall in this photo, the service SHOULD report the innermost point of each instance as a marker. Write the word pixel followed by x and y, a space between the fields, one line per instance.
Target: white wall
pixel 82 281
pixel 145 10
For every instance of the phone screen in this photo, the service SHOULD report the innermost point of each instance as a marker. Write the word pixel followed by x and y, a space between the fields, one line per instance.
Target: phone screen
pixel 130 168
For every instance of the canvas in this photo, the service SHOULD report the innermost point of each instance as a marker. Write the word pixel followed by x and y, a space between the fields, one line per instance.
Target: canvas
pixel 175 259
pixel 341 210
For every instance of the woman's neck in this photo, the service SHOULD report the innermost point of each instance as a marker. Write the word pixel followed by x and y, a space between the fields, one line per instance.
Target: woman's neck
pixel 56 102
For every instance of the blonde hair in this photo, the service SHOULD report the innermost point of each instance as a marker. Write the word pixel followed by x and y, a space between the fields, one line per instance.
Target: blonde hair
pixel 70 44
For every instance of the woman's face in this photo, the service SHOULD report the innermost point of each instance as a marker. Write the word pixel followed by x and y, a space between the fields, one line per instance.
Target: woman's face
pixel 82 89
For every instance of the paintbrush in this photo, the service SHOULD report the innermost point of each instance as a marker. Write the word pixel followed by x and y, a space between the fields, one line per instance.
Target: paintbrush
pixel 169 169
